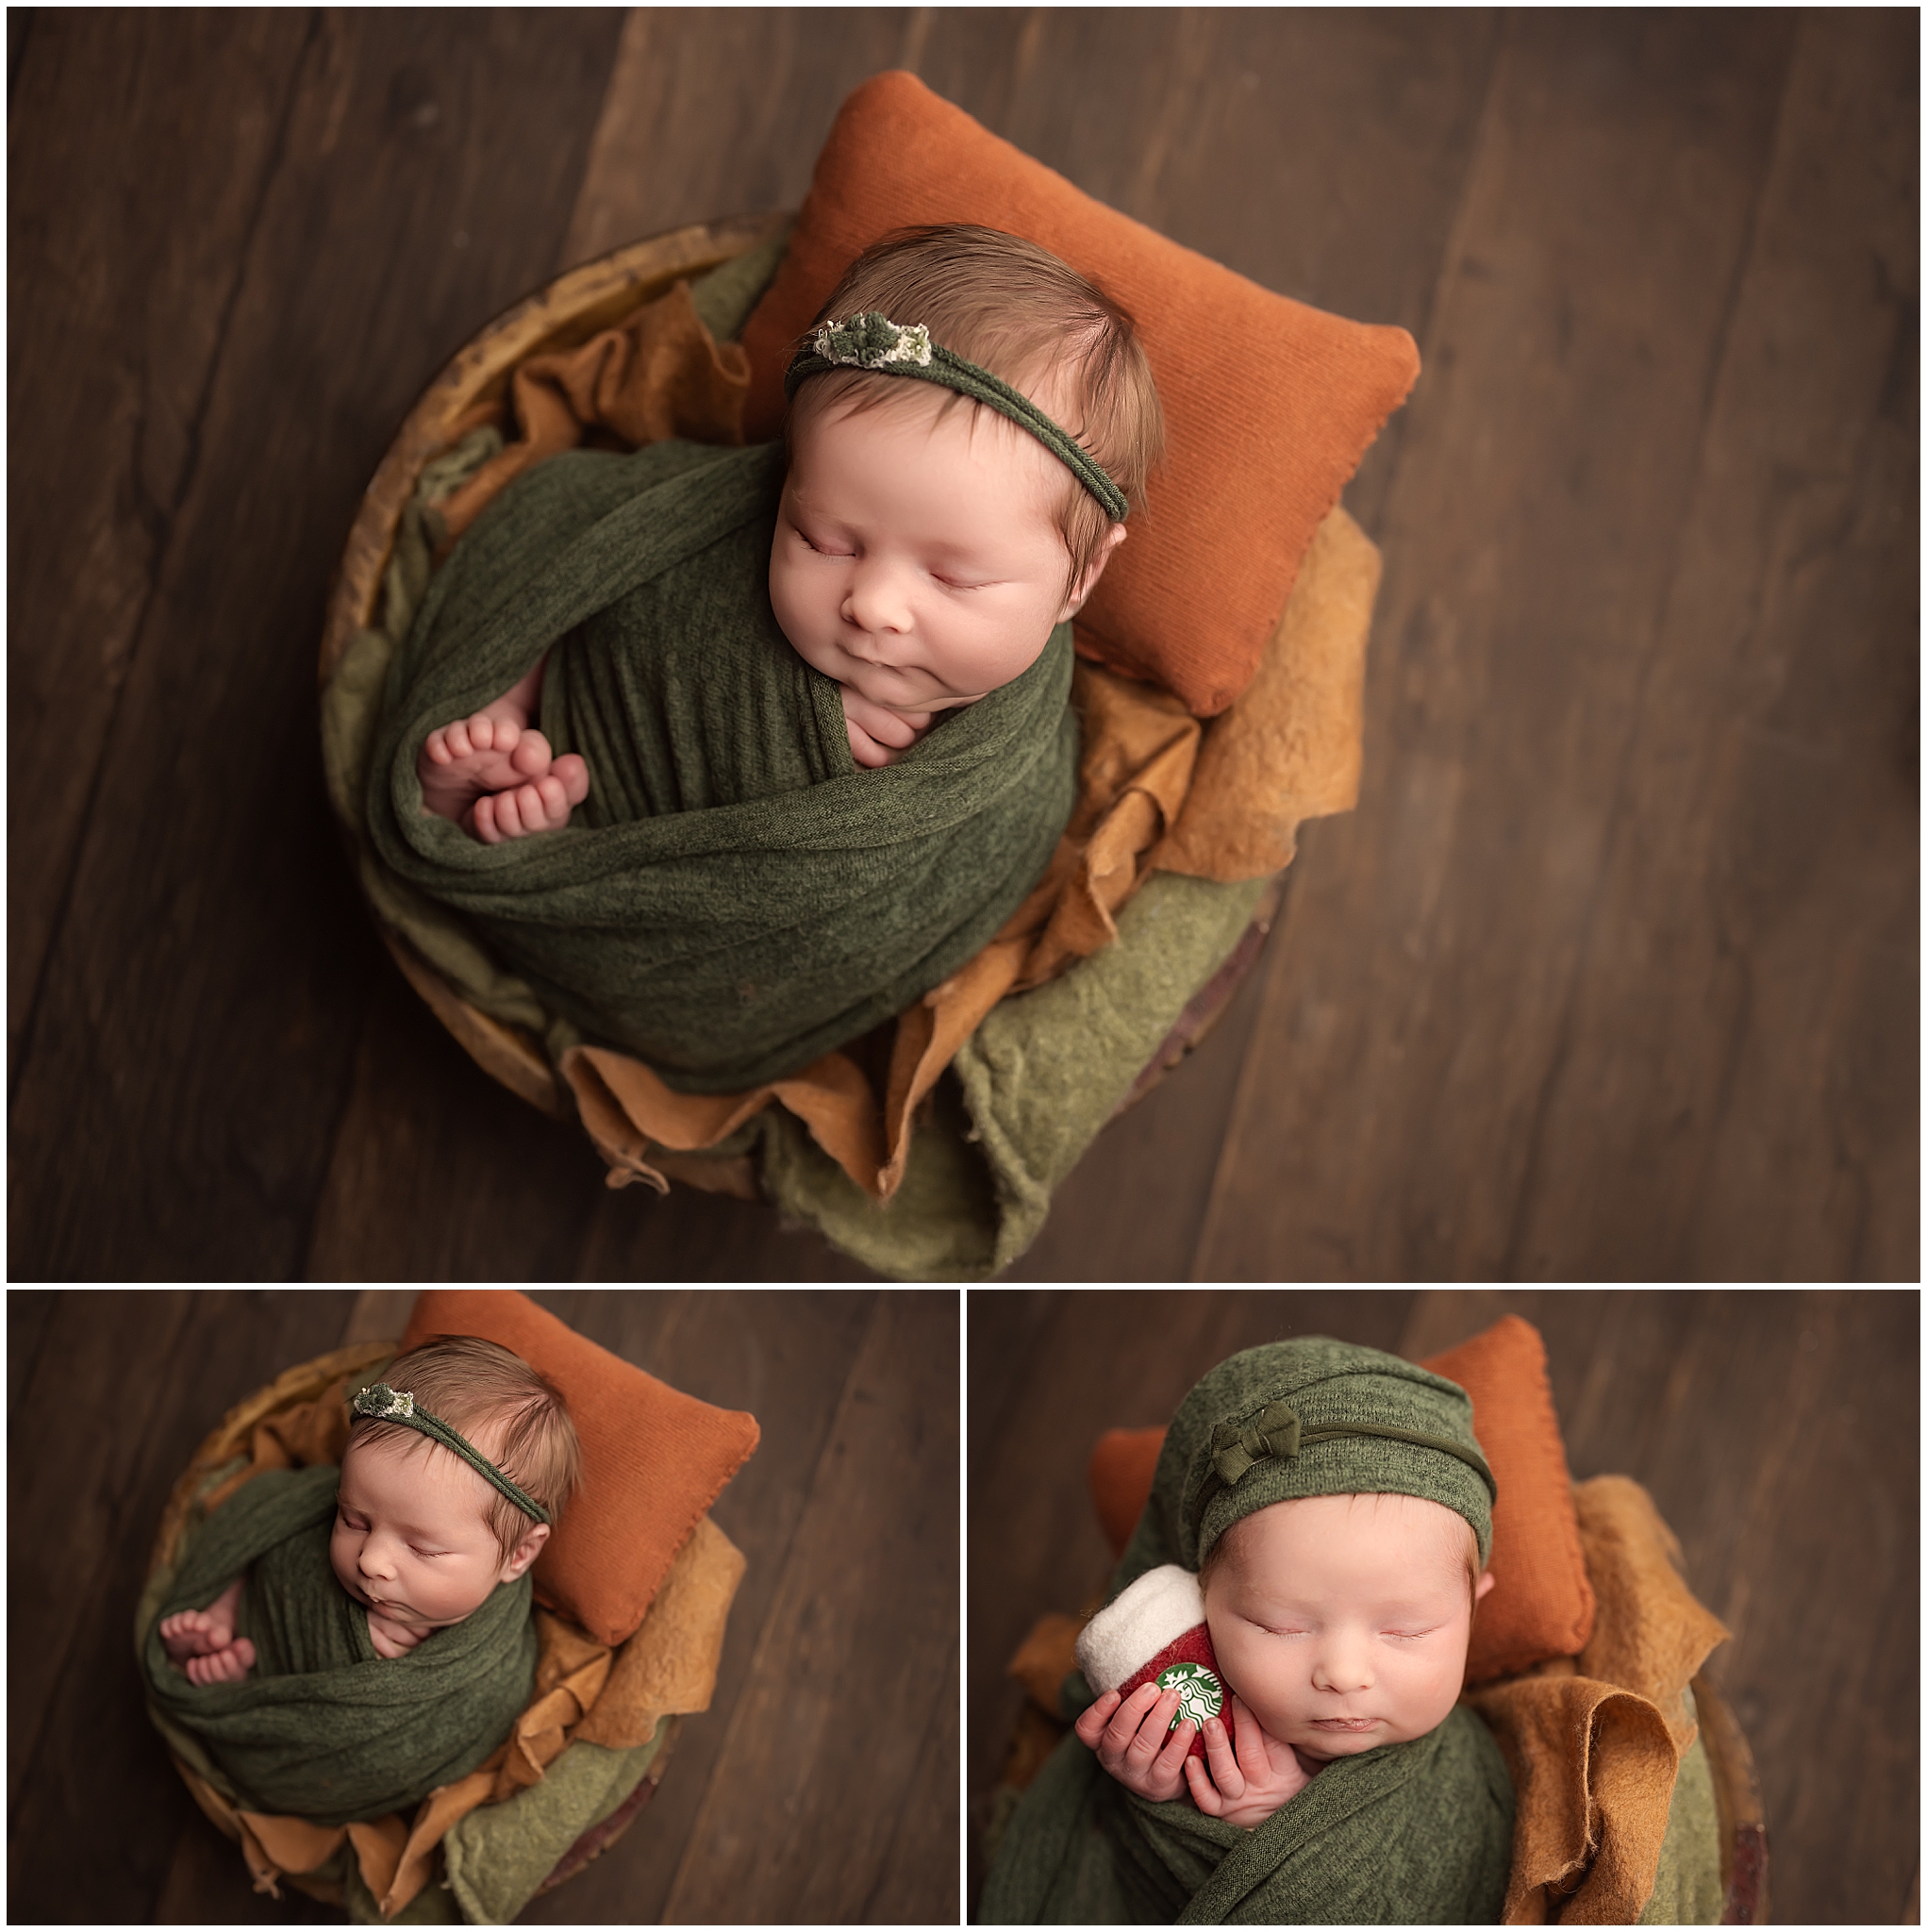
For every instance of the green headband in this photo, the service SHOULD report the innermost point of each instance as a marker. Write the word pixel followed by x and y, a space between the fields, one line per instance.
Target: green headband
pixel 1236 1451
pixel 872 341
pixel 378 1403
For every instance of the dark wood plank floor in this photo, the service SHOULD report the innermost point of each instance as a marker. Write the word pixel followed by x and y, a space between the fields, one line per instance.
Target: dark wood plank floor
pixel 775 1808
pixel 1614 972
pixel 1778 1432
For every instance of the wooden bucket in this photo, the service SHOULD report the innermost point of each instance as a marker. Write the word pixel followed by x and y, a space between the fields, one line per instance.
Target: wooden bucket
pixel 567 312
pixel 1737 1797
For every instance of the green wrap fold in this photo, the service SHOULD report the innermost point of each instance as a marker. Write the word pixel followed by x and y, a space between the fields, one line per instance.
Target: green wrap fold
pixel 738 897
pixel 324 1728
pixel 1418 1833
pixel 1408 1834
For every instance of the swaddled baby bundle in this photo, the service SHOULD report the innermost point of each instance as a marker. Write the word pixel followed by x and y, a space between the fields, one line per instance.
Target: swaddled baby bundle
pixel 737 897
pixel 322 1728
pixel 1410 1833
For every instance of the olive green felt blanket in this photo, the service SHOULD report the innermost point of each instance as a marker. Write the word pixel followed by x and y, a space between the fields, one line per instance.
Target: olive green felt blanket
pixel 322 1728
pixel 1417 1833
pixel 738 897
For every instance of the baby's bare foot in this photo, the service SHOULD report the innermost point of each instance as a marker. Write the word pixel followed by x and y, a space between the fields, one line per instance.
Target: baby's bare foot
pixel 229 1665
pixel 540 806
pixel 461 762
pixel 193 1634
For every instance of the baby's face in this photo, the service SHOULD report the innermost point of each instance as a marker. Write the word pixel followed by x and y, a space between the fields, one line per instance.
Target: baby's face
pixel 916 561
pixel 1343 1621
pixel 410 1540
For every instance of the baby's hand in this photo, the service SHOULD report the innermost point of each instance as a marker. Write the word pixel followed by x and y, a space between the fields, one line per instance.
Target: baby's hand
pixel 391 1638
pixel 1129 1736
pixel 879 737
pixel 1246 1786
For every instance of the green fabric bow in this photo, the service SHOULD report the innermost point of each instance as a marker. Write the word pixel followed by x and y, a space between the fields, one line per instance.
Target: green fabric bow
pixel 1237 1449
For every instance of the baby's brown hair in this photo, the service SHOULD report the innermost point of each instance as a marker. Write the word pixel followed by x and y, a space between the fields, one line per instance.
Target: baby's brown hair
pixel 1015 309
pixel 469 1383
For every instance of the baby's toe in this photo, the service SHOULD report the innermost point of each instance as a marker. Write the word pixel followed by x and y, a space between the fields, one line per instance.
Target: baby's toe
pixel 510 815
pixel 573 771
pixel 554 802
pixel 481 819
pixel 531 756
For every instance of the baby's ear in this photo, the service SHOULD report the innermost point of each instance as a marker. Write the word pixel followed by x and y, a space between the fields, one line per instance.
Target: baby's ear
pixel 1088 582
pixel 526 1551
pixel 1484 1584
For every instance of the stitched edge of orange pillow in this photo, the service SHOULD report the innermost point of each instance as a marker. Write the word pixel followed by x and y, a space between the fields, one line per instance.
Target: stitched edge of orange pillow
pixel 1190 600
pixel 652 1459
pixel 1542 1603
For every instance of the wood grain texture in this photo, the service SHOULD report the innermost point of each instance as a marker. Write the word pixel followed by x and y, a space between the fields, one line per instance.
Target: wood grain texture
pixel 125 1387
pixel 1778 1433
pixel 436 1172
pixel 191 1051
pixel 1417 1010
pixel 720 111
pixel 118 313
pixel 1765 826
pixel 852 1670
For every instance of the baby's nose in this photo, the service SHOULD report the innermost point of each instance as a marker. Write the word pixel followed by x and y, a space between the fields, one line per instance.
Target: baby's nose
pixel 876 602
pixel 1342 1668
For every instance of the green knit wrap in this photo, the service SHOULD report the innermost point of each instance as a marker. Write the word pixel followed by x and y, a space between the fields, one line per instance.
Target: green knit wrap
pixel 1408 1834
pixel 1412 1833
pixel 322 1728
pixel 737 897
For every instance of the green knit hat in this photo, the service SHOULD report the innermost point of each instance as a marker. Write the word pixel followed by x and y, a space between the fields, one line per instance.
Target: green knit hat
pixel 1319 1418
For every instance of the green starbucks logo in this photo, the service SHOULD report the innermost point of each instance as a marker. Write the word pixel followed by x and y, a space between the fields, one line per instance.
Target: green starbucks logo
pixel 1200 1693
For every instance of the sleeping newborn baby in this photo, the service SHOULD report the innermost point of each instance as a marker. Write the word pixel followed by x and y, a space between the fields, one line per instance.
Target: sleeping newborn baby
pixel 734 753
pixel 1340 1624
pixel 1307 1566
pixel 341 1641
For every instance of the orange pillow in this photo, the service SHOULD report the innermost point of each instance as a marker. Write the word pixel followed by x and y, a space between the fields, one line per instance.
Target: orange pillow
pixel 1540 1605
pixel 652 1459
pixel 1269 403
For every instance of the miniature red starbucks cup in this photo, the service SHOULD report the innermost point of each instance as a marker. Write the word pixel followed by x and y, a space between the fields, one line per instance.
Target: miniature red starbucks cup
pixel 1155 1632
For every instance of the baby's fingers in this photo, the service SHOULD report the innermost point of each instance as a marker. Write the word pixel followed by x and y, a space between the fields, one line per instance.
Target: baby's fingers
pixel 1090 1726
pixel 1225 1772
pixel 1176 1753
pixel 1203 1792
pixel 1253 1756
pixel 1151 1731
